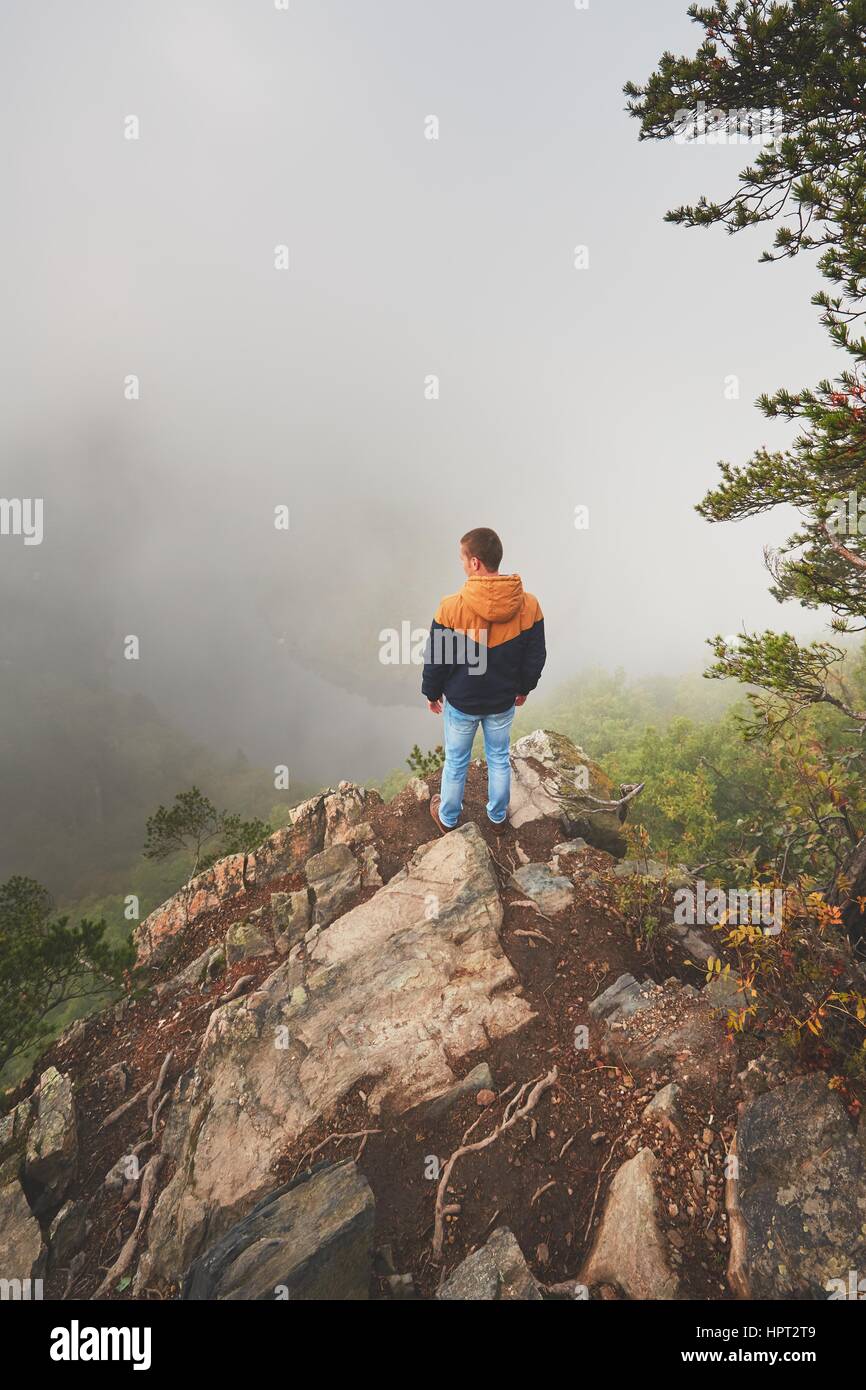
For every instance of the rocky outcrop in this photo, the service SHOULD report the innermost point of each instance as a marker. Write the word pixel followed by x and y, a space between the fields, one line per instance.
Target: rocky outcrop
pixel 333 817
pixel 495 1273
pixel 377 1025
pixel 311 1239
pixel 797 1196
pixel 38 1162
pixel 22 1253
pixel 52 1142
pixel 551 776
pixel 156 936
pixel 629 1250
pixel 395 991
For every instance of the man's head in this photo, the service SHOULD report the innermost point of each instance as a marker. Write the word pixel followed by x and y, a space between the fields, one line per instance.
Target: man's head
pixel 480 552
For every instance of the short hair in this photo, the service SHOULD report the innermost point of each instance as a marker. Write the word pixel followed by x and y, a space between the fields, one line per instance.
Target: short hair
pixel 485 545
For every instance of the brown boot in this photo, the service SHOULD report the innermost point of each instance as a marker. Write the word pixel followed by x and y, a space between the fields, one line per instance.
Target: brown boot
pixel 435 803
pixel 498 827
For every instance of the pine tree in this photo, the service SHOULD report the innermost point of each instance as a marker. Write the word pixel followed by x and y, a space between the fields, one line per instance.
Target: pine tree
pixel 806 62
pixel 45 963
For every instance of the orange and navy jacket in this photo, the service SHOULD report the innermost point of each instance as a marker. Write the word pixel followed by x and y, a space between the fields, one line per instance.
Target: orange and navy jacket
pixel 486 645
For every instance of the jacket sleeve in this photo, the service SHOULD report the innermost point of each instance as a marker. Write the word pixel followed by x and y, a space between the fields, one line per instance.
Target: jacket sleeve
pixel 437 668
pixel 534 657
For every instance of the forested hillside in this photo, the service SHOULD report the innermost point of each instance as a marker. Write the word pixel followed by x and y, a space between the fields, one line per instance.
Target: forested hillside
pixel 83 766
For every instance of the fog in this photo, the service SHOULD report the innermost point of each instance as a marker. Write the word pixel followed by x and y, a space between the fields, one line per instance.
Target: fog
pixel 308 387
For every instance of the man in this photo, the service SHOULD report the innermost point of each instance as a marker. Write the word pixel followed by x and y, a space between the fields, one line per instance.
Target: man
pixel 484 654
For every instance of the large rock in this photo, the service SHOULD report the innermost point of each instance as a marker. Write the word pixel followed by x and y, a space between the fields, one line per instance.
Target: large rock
pixel 396 992
pixel 245 940
pixel 629 1249
pixel 495 1273
pixel 672 1028
pixel 333 876
pixel 346 811
pixel 551 892
pixel 309 1240
pixel 664 1107
pixel 551 776
pixel 52 1143
pixel 331 817
pixel 622 999
pixel 22 1254
pixel 797 1208
pixel 14 1129
pixel 67 1234
pixel 291 917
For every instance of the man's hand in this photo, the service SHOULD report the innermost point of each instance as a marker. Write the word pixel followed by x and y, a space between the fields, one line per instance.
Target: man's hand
pixel 520 699
pixel 434 706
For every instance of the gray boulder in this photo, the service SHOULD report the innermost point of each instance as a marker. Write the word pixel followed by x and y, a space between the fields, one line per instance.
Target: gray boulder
pixel 334 876
pixel 576 846
pixel 495 1273
pixel 629 1249
pixel 67 1234
pixel 550 891
pixel 292 918
pixel 246 940
pixel 311 1240
pixel 551 776
pixel 52 1144
pixel 622 999
pixel 22 1254
pixel 797 1208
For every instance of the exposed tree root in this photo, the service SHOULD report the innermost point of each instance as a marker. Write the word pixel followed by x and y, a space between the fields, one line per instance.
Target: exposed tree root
pixel 122 1109
pixel 362 1134
pixel 160 1082
pixel 148 1192
pixel 517 1108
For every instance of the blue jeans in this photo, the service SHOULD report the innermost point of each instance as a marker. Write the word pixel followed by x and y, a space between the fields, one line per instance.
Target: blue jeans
pixel 460 730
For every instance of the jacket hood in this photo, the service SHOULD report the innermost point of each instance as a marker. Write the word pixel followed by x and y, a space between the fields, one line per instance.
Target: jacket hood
pixel 494 597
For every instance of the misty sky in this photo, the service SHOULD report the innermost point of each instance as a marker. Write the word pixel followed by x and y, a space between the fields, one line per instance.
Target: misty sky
pixel 306 387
